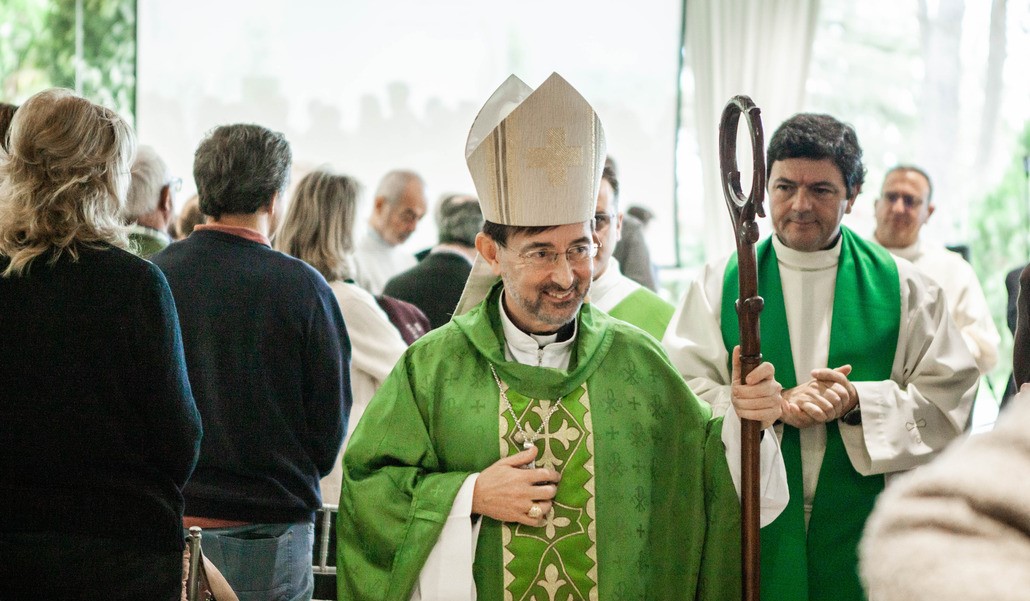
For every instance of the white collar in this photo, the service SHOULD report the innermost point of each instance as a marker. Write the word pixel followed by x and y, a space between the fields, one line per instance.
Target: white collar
pixel 909 253
pixel 816 260
pixel 606 281
pixel 534 349
pixel 377 241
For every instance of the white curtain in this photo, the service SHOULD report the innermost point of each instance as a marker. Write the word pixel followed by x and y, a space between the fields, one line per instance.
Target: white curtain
pixel 759 48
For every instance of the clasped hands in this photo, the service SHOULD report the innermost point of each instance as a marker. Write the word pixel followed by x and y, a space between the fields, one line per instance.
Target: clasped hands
pixel 824 398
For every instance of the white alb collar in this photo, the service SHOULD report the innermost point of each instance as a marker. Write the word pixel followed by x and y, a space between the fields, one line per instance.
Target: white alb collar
pixel 909 253
pixel 816 260
pixel 607 280
pixel 533 349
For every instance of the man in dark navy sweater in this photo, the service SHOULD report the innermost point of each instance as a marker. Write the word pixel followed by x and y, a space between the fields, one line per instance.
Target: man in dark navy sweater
pixel 268 359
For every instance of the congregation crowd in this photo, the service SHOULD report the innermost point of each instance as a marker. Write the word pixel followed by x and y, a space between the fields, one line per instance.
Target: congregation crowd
pixel 513 413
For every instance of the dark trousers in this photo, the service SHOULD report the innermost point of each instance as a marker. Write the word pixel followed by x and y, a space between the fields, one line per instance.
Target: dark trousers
pixel 76 567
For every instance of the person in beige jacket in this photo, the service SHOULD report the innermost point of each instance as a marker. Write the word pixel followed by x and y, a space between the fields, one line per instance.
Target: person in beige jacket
pixel 959 528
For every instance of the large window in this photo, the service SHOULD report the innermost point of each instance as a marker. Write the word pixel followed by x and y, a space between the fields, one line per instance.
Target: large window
pixel 86 45
pixel 941 84
pixel 371 86
pixel 367 87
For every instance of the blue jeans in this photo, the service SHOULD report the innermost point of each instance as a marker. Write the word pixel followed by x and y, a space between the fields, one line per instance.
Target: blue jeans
pixel 264 562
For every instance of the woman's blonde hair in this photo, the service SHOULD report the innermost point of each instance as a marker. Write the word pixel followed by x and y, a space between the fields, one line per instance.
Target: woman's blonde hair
pixel 319 224
pixel 63 179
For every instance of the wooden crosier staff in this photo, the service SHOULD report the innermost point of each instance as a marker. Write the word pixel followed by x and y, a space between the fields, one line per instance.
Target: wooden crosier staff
pixel 749 306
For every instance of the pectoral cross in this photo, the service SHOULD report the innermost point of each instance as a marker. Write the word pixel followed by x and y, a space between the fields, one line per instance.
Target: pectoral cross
pixel 527 445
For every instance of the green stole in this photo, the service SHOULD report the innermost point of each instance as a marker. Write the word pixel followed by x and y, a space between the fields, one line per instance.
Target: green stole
pixel 562 555
pixel 646 310
pixel 823 564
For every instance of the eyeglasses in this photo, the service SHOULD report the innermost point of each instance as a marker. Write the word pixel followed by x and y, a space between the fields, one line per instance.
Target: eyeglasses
pixel 603 220
pixel 541 258
pixel 175 184
pixel 910 201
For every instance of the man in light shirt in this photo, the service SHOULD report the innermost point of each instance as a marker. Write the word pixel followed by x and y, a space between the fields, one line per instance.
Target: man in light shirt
pixel 400 203
pixel 904 206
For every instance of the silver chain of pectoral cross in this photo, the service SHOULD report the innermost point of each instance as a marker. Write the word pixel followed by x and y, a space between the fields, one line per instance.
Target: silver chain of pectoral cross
pixel 527 442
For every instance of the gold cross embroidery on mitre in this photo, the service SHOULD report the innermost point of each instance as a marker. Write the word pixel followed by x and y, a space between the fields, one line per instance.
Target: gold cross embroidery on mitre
pixel 556 157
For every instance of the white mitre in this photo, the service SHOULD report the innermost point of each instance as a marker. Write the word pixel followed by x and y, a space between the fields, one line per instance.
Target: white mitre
pixel 536 158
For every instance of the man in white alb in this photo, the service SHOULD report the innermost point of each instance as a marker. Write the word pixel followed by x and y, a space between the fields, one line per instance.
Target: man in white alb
pixel 876 377
pixel 904 206
pixel 400 203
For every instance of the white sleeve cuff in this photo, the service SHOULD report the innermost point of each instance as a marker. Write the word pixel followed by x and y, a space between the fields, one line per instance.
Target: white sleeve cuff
pixel 447 573
pixel 773 487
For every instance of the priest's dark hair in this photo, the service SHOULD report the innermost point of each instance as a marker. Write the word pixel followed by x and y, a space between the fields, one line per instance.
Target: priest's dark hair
pixel 818 137
pixel 239 168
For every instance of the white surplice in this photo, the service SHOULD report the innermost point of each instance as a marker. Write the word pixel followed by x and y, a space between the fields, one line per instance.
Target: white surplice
pixel 611 287
pixel 966 301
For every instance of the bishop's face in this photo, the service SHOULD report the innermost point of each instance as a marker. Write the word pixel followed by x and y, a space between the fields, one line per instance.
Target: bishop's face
pixel 541 296
pixel 808 200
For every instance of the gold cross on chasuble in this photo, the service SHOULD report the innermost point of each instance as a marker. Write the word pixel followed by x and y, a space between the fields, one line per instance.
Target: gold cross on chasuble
pixel 556 157
pixel 557 561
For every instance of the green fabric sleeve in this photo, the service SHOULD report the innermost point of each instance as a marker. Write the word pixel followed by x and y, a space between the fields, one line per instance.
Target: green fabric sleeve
pixel 720 557
pixel 394 499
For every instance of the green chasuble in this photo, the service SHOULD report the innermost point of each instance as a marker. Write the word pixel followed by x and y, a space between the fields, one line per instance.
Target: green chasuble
pixel 646 310
pixel 822 564
pixel 646 508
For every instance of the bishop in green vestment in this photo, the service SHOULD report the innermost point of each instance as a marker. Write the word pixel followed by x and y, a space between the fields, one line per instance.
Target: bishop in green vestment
pixel 876 375
pixel 627 493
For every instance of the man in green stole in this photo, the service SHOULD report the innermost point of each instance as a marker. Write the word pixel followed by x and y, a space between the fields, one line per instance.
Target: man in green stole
pixel 613 292
pixel 875 374
pixel 534 447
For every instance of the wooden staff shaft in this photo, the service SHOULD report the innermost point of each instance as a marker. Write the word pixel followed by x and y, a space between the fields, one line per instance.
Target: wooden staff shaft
pixel 749 305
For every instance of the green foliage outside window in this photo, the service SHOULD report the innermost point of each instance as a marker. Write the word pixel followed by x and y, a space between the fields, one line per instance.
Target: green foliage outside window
pixel 85 45
pixel 1000 242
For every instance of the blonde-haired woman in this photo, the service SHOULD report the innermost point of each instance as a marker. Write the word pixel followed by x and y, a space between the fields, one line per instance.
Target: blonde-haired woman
pixel 318 229
pixel 99 430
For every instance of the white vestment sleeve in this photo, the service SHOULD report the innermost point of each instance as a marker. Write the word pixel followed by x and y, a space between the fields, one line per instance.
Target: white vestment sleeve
pixel 909 419
pixel 447 573
pixel 693 340
pixel 773 494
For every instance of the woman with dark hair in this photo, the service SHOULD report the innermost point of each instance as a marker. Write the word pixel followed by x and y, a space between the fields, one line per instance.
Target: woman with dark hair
pixel 99 429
